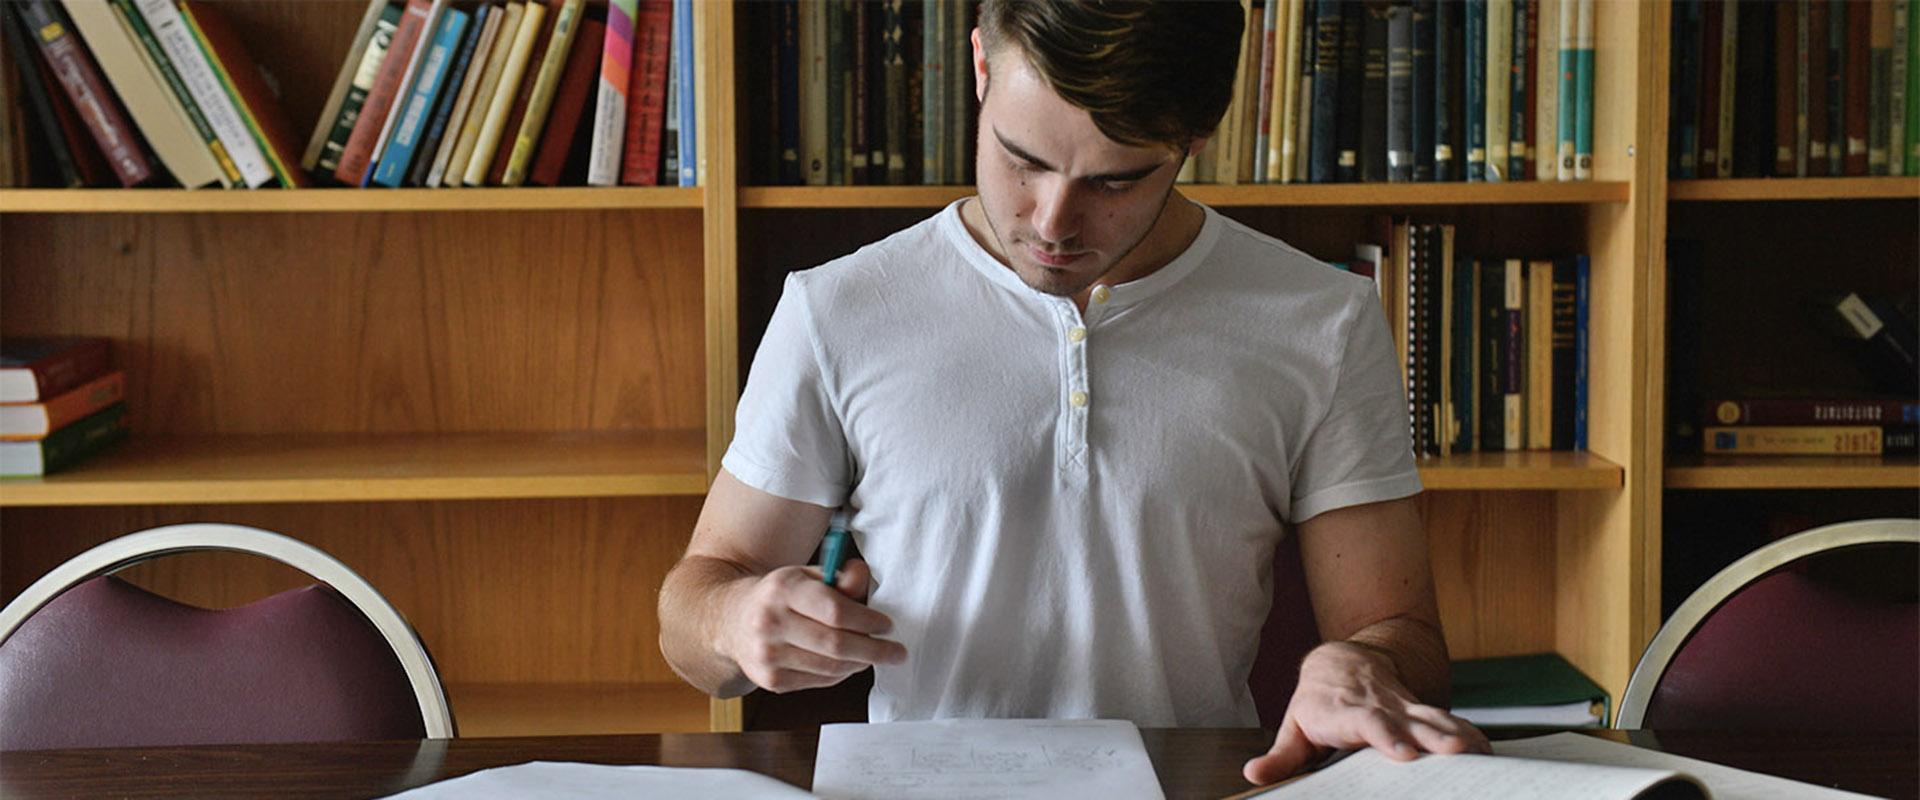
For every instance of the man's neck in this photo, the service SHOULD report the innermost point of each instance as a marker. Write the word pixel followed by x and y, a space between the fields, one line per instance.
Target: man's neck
pixel 1172 233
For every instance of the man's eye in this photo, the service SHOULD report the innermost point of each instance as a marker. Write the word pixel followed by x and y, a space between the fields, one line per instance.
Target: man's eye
pixel 1115 187
pixel 1022 166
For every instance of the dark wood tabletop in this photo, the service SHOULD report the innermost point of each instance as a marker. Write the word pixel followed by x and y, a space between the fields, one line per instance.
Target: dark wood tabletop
pixel 1190 763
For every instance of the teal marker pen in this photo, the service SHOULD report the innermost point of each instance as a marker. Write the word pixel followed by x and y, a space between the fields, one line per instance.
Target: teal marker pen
pixel 833 553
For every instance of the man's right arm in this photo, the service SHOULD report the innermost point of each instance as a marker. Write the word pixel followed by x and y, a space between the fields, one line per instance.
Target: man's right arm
pixel 740 610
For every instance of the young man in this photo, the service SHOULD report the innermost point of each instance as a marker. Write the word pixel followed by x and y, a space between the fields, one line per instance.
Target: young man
pixel 1069 420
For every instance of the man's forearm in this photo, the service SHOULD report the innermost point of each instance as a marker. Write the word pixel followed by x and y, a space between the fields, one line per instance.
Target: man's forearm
pixel 1418 652
pixel 692 602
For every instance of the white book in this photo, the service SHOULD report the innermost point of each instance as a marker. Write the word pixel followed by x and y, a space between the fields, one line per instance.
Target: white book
pixel 610 104
pixel 341 83
pixel 152 104
pixel 502 102
pixel 483 95
pixel 183 49
pixel 1546 81
pixel 1499 80
pixel 463 103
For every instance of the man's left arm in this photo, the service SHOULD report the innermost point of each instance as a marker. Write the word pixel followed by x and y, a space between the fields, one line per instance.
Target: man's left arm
pixel 1381 678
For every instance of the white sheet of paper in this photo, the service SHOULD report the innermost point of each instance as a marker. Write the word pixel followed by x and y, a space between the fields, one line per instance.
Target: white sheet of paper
pixel 1368 775
pixel 984 758
pixel 1726 783
pixel 541 779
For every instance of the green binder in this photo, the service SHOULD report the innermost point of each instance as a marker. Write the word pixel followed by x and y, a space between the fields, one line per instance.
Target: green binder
pixel 1527 691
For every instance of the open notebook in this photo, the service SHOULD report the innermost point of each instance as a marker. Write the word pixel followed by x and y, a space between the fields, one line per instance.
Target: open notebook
pixel 1568 766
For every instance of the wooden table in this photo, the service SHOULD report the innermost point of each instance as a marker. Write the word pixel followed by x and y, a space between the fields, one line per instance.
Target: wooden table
pixel 1190 763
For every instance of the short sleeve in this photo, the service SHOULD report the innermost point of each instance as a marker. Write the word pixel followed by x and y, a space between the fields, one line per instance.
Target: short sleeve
pixel 788 439
pixel 1361 451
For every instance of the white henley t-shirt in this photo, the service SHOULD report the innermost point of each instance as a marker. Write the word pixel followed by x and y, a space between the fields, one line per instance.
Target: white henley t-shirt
pixel 1074 515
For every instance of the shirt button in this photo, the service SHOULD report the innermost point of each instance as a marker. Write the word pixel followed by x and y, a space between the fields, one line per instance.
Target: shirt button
pixel 1101 294
pixel 1078 399
pixel 1077 335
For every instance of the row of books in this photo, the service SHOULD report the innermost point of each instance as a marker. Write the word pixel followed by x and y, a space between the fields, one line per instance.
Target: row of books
pixel 1494 349
pixel 432 93
pixel 1797 426
pixel 1340 91
pixel 1794 88
pixel 60 403
pixel 864 93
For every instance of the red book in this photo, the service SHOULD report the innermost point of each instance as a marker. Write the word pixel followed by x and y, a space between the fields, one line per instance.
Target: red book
pixel 255 102
pixel 563 119
pixel 357 157
pixel 1786 92
pixel 81 79
pixel 647 93
pixel 37 369
pixel 496 175
pixel 1813 411
pixel 1859 59
pixel 1712 32
pixel 87 161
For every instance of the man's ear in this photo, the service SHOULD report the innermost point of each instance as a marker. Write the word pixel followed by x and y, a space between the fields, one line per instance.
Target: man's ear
pixel 979 68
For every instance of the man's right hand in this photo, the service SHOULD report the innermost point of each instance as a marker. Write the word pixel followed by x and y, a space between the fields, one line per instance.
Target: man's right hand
pixel 788 630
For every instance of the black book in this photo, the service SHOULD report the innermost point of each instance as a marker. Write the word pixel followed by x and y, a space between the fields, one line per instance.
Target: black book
pixel 64 172
pixel 1493 354
pixel 1373 96
pixel 1447 131
pixel 1323 157
pixel 1474 108
pixel 1837 45
pixel 1753 95
pixel 1566 328
pixel 1400 91
pixel 1353 23
pixel 1423 89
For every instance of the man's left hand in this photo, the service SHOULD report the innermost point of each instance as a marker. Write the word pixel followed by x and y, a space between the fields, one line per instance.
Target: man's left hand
pixel 1349 697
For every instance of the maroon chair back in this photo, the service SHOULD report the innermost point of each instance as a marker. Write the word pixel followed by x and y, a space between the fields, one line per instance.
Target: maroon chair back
pixel 1793 652
pixel 1290 631
pixel 109 664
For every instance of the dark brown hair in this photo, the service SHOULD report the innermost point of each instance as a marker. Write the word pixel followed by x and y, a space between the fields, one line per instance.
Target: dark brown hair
pixel 1148 72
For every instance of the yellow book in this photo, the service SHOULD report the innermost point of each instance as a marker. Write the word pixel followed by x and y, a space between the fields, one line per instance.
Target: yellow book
pixel 544 84
pixel 1276 116
pixel 463 102
pixel 1796 440
pixel 1539 371
pixel 155 110
pixel 502 103
pixel 483 96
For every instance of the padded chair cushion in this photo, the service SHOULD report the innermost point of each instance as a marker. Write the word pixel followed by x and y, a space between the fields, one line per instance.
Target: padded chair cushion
pixel 109 664
pixel 1791 653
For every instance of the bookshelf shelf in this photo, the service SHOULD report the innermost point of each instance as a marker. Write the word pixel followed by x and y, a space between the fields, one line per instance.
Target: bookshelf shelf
pixel 1349 194
pixel 172 201
pixel 1521 471
pixel 1871 188
pixel 168 470
pixel 561 709
pixel 1793 472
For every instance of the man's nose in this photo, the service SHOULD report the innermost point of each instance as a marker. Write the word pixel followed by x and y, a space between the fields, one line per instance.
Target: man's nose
pixel 1056 218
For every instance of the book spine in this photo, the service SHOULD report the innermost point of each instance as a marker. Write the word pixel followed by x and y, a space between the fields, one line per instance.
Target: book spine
pixel 1462 352
pixel 157 55
pixel 355 99
pixel 1767 411
pixel 81 79
pixel 836 91
pixel 1499 86
pixel 1324 145
pixel 1898 98
pixel 859 148
pixel 812 91
pixel 64 370
pixel 1808 440
pixel 411 75
pixel 1837 60
pixel 1400 92
pixel 959 106
pixel 897 113
pixel 670 115
pixel 1302 117
pixel 1446 69
pixel 1413 296
pixel 875 35
pixel 1582 338
pixel 689 123
pixel 500 106
pixel 34 85
pixel 1880 68
pixel 1813 53
pixel 145 100
pixel 476 114
pixel 1287 74
pixel 641 161
pixel 356 157
pixel 1859 79
pixel 342 81
pixel 1540 400
pixel 1707 146
pixel 1564 323
pixel 1493 355
pixel 1786 118
pixel 1374 101
pixel 1726 49
pixel 75 443
pixel 1912 128
pixel 1546 81
pixel 27 422
pixel 1514 418
pixel 610 99
pixel 496 171
pixel 545 83
pixel 1565 158
pixel 412 121
pixel 1423 89
pixel 1583 65
pixel 569 103
pixel 1475 73
pixel 1753 113
pixel 1520 121
pixel 453 94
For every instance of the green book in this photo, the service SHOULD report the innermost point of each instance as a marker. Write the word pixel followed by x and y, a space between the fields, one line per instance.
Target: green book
pixel 1527 691
pixel 66 446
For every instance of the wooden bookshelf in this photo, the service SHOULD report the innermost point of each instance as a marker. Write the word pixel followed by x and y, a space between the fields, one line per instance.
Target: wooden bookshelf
pixel 1521 471
pixel 1353 194
pixel 558 709
pixel 324 468
pixel 1764 189
pixel 1793 472
pixel 215 201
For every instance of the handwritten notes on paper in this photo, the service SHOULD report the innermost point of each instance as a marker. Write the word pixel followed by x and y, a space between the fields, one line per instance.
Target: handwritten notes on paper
pixel 541 779
pixel 984 758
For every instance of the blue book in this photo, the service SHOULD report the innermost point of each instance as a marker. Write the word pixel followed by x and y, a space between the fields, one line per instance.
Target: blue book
pixel 683 55
pixel 443 107
pixel 1322 142
pixel 1581 338
pixel 1448 40
pixel 413 121
pixel 1517 129
pixel 789 55
pixel 1423 89
pixel 1475 113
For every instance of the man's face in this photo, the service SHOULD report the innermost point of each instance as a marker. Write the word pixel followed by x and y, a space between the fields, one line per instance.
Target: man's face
pixel 1065 203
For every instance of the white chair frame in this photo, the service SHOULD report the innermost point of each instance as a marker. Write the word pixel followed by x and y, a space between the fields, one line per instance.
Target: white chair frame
pixel 126 551
pixel 1716 591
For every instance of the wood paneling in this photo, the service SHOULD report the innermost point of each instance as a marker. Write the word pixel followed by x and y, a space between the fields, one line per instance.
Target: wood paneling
pixel 1489 551
pixel 438 322
pixel 537 591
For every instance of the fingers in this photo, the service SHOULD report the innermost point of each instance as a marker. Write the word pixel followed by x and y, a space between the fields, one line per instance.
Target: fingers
pixel 1388 734
pixel 1437 731
pixel 794 632
pixel 821 603
pixel 843 645
pixel 855 579
pixel 1290 752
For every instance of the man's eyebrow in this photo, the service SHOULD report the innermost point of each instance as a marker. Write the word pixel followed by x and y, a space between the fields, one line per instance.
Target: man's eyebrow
pixel 1127 175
